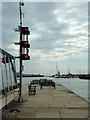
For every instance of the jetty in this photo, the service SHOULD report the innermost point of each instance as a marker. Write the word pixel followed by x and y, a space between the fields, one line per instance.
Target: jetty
pixel 48 102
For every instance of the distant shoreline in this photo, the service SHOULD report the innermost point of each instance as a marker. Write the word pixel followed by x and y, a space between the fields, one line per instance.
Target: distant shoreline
pixel 30 75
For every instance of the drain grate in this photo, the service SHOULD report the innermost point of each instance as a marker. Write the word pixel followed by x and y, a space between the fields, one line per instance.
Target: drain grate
pixel 14 110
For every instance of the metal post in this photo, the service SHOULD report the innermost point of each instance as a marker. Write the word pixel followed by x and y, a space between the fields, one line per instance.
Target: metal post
pixel 20 87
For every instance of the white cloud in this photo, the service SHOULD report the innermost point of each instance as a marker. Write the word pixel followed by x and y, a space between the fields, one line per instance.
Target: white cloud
pixel 61 20
pixel 14 49
pixel 34 36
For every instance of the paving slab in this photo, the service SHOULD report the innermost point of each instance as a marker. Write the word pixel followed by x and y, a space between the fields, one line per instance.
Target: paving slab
pixel 73 113
pixel 54 105
pixel 47 113
pixel 26 113
pixel 76 104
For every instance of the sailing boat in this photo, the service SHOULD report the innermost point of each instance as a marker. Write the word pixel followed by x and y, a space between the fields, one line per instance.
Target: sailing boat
pixel 69 75
pixel 58 72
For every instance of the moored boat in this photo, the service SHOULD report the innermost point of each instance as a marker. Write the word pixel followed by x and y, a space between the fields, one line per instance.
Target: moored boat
pixel 85 76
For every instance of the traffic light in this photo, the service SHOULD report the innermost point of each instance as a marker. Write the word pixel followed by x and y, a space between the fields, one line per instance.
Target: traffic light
pixel 4 60
pixel 25 31
pixel 25 50
pixel 25 44
pixel 25 57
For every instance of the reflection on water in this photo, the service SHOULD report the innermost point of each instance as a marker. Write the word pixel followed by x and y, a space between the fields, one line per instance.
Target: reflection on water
pixel 78 86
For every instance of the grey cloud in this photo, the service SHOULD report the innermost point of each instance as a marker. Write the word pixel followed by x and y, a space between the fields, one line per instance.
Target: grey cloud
pixel 39 11
pixel 56 31
pixel 35 58
pixel 74 10
pixel 40 18
pixel 9 22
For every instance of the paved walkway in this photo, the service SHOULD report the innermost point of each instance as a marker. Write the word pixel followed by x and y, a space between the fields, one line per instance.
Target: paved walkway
pixel 49 103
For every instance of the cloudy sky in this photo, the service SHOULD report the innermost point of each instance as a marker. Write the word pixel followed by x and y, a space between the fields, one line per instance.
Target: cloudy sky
pixel 59 35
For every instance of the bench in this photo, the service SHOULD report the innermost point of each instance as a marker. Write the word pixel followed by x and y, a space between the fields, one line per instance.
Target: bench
pixel 35 82
pixel 46 83
pixel 31 89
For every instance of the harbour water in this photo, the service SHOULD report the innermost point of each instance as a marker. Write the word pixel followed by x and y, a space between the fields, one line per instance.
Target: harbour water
pixel 78 86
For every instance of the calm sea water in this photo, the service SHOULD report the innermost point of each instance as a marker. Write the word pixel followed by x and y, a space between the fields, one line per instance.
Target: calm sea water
pixel 78 86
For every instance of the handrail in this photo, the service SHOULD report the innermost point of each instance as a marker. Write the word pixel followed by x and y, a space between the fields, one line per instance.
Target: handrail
pixel 4 52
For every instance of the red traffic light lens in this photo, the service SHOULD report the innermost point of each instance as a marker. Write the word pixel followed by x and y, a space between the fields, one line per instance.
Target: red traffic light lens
pixel 2 60
pixel 26 43
pixel 26 56
pixel 26 29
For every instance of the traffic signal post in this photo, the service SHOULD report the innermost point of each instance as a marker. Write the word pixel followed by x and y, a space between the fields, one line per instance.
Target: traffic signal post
pixel 24 48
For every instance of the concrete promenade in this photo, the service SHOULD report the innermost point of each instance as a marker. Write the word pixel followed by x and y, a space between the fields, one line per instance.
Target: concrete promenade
pixel 49 103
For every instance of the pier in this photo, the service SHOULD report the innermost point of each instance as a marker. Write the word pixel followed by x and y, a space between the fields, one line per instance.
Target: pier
pixel 48 102
pixel 43 100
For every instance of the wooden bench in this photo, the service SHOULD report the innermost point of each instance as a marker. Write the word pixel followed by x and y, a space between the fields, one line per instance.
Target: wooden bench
pixel 47 83
pixel 31 89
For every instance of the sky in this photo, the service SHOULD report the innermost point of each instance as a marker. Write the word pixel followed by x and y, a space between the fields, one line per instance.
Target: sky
pixel 59 35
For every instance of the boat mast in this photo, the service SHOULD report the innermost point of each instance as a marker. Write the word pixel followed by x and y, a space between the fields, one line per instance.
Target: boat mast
pixel 58 73
pixel 56 68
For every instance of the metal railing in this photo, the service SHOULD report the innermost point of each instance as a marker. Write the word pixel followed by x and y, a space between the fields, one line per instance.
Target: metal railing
pixel 8 72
